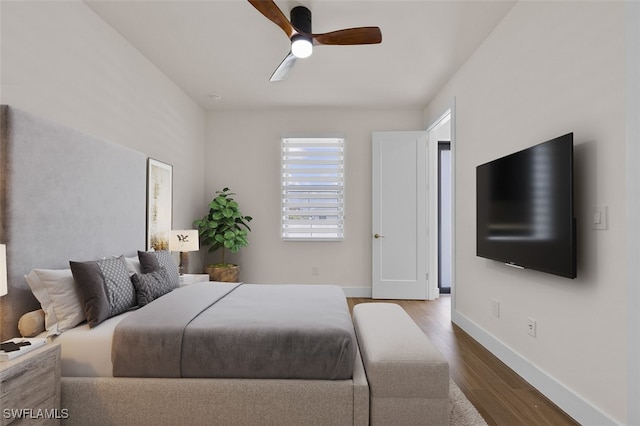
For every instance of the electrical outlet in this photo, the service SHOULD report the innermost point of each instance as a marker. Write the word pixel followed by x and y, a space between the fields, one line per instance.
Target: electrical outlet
pixel 531 327
pixel 315 270
pixel 495 308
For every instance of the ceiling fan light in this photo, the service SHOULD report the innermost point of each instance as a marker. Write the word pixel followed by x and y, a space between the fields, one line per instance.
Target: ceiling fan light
pixel 301 46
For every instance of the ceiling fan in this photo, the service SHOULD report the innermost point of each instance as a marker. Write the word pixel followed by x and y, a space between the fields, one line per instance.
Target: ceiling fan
pixel 298 30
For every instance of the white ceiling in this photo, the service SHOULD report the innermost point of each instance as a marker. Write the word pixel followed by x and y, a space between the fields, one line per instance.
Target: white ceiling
pixel 227 48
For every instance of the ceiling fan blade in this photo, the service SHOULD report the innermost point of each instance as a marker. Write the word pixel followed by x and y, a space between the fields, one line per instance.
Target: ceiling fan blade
pixel 284 69
pixel 361 35
pixel 272 12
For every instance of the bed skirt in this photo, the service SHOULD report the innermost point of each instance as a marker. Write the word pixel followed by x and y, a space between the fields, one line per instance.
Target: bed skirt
pixel 150 401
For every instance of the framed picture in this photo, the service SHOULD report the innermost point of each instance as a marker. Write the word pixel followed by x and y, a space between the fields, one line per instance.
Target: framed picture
pixel 159 204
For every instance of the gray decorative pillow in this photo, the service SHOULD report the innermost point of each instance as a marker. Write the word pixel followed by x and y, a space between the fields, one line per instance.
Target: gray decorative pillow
pixel 120 292
pixel 104 288
pixel 153 260
pixel 152 285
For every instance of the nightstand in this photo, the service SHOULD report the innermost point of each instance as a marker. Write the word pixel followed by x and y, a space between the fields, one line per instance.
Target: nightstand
pixel 187 279
pixel 30 388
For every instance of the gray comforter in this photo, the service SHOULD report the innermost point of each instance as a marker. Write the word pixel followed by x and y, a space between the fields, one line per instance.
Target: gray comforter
pixel 239 331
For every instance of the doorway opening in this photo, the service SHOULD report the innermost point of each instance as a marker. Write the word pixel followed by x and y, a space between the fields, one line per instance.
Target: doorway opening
pixel 441 200
pixel 444 217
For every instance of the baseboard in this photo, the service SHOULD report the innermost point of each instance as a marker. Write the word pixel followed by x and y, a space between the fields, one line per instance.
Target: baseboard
pixel 357 292
pixel 578 408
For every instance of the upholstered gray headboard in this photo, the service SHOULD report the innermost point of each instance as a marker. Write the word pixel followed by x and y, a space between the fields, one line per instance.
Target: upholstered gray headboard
pixel 64 196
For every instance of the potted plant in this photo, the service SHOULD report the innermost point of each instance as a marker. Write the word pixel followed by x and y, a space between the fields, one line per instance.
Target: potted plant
pixel 224 228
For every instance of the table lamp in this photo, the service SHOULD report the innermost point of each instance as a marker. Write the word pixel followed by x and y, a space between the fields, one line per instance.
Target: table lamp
pixel 184 241
pixel 3 270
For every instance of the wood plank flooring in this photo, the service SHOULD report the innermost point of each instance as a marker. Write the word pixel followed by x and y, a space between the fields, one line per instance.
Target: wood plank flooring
pixel 498 393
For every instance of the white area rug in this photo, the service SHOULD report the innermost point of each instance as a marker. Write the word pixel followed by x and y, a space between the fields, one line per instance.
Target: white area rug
pixel 463 413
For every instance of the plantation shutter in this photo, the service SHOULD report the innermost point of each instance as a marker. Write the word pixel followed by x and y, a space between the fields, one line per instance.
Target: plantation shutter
pixel 312 189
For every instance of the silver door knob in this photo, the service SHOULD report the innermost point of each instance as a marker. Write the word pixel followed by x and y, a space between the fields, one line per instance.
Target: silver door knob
pixel 376 236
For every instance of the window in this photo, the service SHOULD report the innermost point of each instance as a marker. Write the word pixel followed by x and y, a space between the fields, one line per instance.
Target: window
pixel 312 189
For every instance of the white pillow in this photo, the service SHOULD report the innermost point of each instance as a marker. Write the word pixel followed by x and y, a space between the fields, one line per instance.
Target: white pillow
pixel 133 265
pixel 55 289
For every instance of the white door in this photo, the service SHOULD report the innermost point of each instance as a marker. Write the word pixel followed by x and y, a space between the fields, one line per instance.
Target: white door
pixel 400 215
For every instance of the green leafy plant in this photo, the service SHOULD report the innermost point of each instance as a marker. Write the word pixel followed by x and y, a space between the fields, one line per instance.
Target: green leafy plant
pixel 224 227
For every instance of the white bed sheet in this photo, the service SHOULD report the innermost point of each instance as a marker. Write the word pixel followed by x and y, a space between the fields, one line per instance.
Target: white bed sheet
pixel 86 352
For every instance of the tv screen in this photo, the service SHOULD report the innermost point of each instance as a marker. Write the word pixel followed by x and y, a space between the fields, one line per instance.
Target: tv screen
pixel 525 208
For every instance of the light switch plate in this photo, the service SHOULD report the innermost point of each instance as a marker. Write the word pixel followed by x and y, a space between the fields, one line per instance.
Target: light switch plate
pixel 600 219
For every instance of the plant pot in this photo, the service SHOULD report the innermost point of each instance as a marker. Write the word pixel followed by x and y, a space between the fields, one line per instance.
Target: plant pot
pixel 227 274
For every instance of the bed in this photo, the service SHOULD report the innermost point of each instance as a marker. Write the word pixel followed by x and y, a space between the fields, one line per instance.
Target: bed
pixel 90 392
pixel 302 352
pixel 68 196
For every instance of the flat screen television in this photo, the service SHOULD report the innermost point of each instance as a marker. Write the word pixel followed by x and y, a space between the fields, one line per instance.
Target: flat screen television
pixel 525 208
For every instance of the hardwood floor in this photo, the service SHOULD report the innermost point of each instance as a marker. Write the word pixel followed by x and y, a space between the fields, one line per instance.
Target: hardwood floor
pixel 498 393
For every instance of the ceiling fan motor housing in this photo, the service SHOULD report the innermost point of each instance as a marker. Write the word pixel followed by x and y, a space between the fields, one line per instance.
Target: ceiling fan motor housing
pixel 301 19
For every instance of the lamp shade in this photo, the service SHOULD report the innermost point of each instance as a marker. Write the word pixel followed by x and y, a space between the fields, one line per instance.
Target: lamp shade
pixel 184 240
pixel 3 270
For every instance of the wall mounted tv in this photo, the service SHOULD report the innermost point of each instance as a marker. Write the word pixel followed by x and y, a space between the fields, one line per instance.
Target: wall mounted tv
pixel 525 208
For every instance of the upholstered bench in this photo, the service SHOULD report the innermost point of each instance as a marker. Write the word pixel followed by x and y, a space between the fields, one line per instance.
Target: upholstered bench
pixel 408 377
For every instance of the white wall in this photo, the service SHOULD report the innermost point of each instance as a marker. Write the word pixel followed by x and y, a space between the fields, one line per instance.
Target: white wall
pixel 62 62
pixel 243 153
pixel 550 68
pixel 632 91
